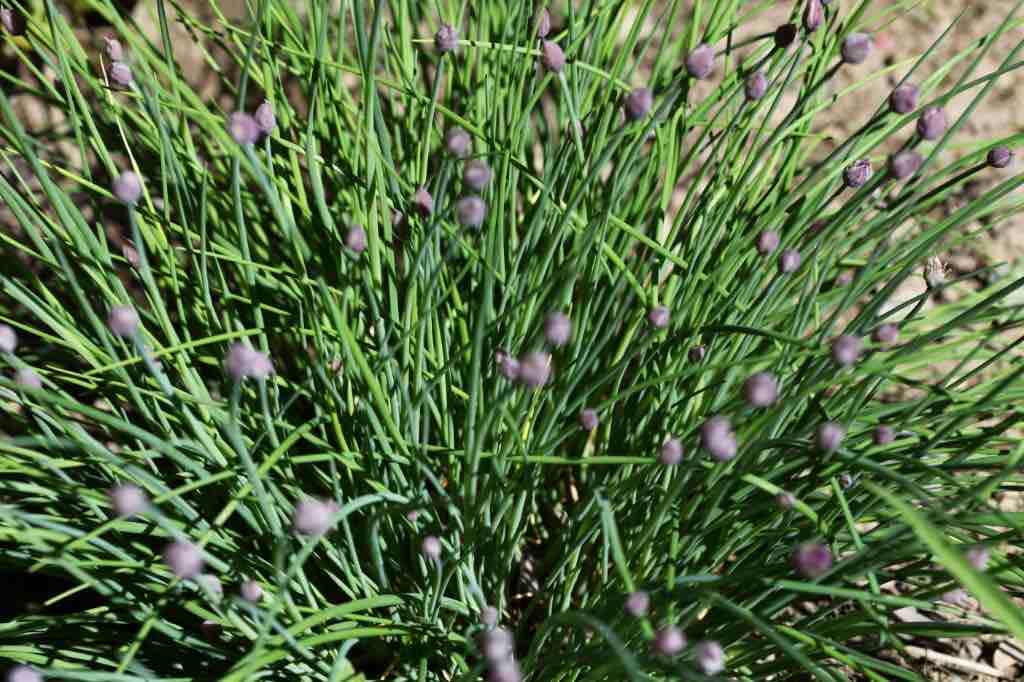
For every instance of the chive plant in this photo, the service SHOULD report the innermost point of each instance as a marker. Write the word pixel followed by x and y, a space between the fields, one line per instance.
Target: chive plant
pixel 424 312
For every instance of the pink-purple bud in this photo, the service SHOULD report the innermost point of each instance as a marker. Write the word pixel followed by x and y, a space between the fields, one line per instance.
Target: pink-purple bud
pixel 789 261
pixel 355 239
pixel 857 173
pixel 710 657
pixel 999 157
pixel 211 583
pixel 718 439
pixel 846 349
pixel 812 559
pixel 244 362
pixel 552 56
pixel 127 187
pixel 488 616
pixel 855 48
pixel 121 74
pixel 671 452
pixel 23 673
pixel 509 367
pixel 497 645
pixel 829 436
pixel 785 35
pixel 755 86
pixel 8 339
pixel 557 329
pixel 638 103
pixel 785 501
pixel 265 118
pixel 476 174
pixel 957 597
pixel 637 603
pixel 313 517
pixel 932 123
pixel 543 23
pixel 761 389
pixel 243 128
pixel 251 591
pixel 457 141
pixel 183 558
pixel 446 39
pixel 658 316
pixel 883 435
pixel 886 334
pixel 535 369
pixel 696 354
pixel 472 211
pixel 669 641
pixel 26 377
pixel 977 557
pixel 114 50
pixel 814 14
pixel 904 164
pixel 588 420
pixel 431 547
pixel 422 202
pixel 14 21
pixel 506 670
pixel 701 61
pixel 767 241
pixel 122 320
pixel 128 500
pixel 903 99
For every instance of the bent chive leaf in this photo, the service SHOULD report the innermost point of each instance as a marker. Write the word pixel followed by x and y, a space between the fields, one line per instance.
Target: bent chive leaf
pixel 846 349
pixel 658 317
pixel 718 439
pixel 552 56
pixel 457 141
pixel 476 174
pixel 767 241
pixel 128 500
pixel 472 211
pixel 183 558
pixel 999 157
pixel 710 657
pixel 243 128
pixel 26 377
pixel 313 517
pixel 903 99
pixel 121 74
pixel 557 329
pixel 904 164
pixel 251 591
pixel 122 320
pixel 671 452
pixel 637 603
pixel 638 103
pixel 446 39
pixel 669 641
pixel 755 86
pixel 127 187
pixel 857 173
pixel 932 123
pixel 812 559
pixel 701 61
pixel 761 389
pixel 244 362
pixel 355 239
pixel 789 261
pixel 855 48
pixel 8 339
pixel 829 436
pixel 534 369
pixel 265 118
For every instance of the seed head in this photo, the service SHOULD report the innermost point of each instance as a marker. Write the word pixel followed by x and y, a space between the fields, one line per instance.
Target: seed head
pixel 710 657
pixel 789 261
pixel 977 557
pixel 903 99
pixel 355 239
pixel 265 118
pixel 476 174
pixel 932 123
pixel 637 603
pixel 588 420
pixel 761 389
pixel 829 436
pixel 489 616
pixel 422 202
pixel 638 103
pixel 857 173
pixel 26 377
pixel 883 435
pixel 128 500
pixel 755 86
pixel 696 354
pixel 22 673
pixel 543 23
pixel 767 241
pixel 313 517
pixel 658 317
pixel 127 187
pixel 457 141
pixel 886 334
pixel 471 211
pixel 251 591
pixel 8 339
pixel 814 14
pixel 243 128
pixel 671 452
pixel 535 369
pixel 431 547
pixel 856 48
pixel 244 362
pixel 497 645
pixel 552 56
pixel 669 641
pixel 701 61
pixel 718 439
pixel 934 272
pixel 557 329
pixel 14 21
pixel 121 74
pixel 114 50
pixel 183 558
pixel 904 164
pixel 999 157
pixel 811 559
pixel 785 35
pixel 785 501
pixel 446 39
pixel 846 349
pixel 122 320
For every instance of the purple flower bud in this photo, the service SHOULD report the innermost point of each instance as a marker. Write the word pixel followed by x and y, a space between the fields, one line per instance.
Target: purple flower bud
pixel 243 128
pixel 114 50
pixel 251 591
pixel 767 241
pixel 489 616
pixel 128 500
pixel 244 362
pixel 505 671
pixel 543 23
pixel 121 74
pixel 471 211
pixel 431 547
pixel 658 317
pixel 904 164
pixel 127 187
pixel 557 329
pixel 855 48
pixel 999 157
pixel 977 557
pixel 789 261
pixel 588 420
pixel 637 603
pixel 497 645
pixel 761 389
pixel 122 320
pixel 785 35
pixel 183 558
pixel 886 334
pixel 883 435
pixel 814 14
pixel 812 559
pixel 446 39
pixel 846 349
pixel 14 21
pixel 701 61
pixel 313 517
pixel 552 56
pixel 857 173
pixel 23 673
pixel 535 369
pixel 696 354
pixel 265 118
pixel 422 202
pixel 638 103
pixel 476 174
pixel 669 641
pixel 718 439
pixel 509 368
pixel 26 377
pixel 457 141
pixel 934 272
pixel 957 597
pixel 932 123
pixel 671 452
pixel 829 436
pixel 903 99
pixel 785 501
pixel 211 582
pixel 710 657
pixel 846 480
pixel 8 339
pixel 755 86
pixel 355 239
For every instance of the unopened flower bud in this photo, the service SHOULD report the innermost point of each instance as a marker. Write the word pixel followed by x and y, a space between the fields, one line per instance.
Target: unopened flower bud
pixel 265 118
pixel 761 389
pixel 122 320
pixel 903 99
pixel 755 86
pixel 355 239
pixel 638 103
pixel 552 56
pixel 710 657
pixel 313 517
pixel 588 420
pixel 785 501
pixel 977 557
pixel 121 74
pixel 128 500
pixel 767 241
pixel 812 559
pixel 658 316
pixel 718 439
pixel 243 128
pixel 476 174
pixel 671 452
pixel 244 362
pixel 904 164
pixel 183 558
pixel 855 48
pixel 543 23
pixel 934 272
pixel 431 547
pixel 814 14
pixel 857 173
pixel 251 591
pixel 8 339
pixel 535 369
pixel 669 641
pixel 127 187
pixel 999 157
pixel 457 141
pixel 489 616
pixel 422 202
pixel 829 436
pixel 557 329
pixel 446 39
pixel 14 21
pixel 26 377
pixel 785 35
pixel 696 354
pixel 114 50
pixel 789 261
pixel 637 603
pixel 886 334
pixel 846 349
pixel 883 435
pixel 472 211
pixel 701 61
pixel 932 123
